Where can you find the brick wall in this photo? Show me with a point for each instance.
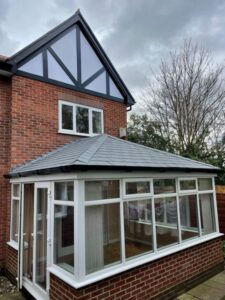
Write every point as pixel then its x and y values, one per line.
pixel 220 196
pixel 35 117
pixel 161 279
pixel 11 264
pixel 5 108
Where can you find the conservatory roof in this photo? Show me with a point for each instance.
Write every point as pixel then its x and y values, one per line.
pixel 105 152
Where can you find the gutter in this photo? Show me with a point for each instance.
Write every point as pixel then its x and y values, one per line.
pixel 86 168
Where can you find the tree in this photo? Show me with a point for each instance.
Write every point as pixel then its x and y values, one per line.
pixel 143 131
pixel 187 98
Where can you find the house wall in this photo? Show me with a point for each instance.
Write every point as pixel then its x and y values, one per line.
pixel 164 278
pixel 5 109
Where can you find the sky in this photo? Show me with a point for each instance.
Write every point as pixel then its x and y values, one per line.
pixel 136 34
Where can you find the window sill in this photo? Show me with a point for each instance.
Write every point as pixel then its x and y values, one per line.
pixel 78 134
pixel 114 270
pixel 13 244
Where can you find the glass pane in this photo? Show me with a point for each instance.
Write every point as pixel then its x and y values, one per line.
pixel 205 184
pixel 186 185
pixel 67 117
pixel 64 237
pixel 34 66
pixel 164 186
pixel 64 191
pixel 188 217
pixel 102 227
pixel 207 213
pixel 166 221
pixel 99 84
pixel 98 190
pixel 90 63
pixel 15 220
pixel 66 49
pixel 138 187
pixel 28 231
pixel 114 90
pixel 97 121
pixel 138 227
pixel 56 72
pixel 16 190
pixel 41 236
pixel 82 120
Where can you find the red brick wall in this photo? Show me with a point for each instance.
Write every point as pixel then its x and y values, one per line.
pixel 11 263
pixel 35 117
pixel 5 108
pixel 165 276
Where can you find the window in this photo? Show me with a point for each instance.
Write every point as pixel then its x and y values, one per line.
pixel 64 225
pixel 187 184
pixel 15 212
pixel 205 184
pixel 102 224
pixel 137 187
pixel 207 215
pixel 79 120
pixel 164 186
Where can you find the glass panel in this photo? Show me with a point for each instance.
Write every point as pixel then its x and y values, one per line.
pixel 99 190
pixel 97 121
pixel 166 221
pixel 56 72
pixel 138 227
pixel 64 191
pixel 114 90
pixel 28 231
pixel 205 184
pixel 15 220
pixel 82 120
pixel 41 236
pixel 188 217
pixel 138 187
pixel 67 117
pixel 186 185
pixel 164 186
pixel 90 63
pixel 66 49
pixel 64 237
pixel 34 66
pixel 102 227
pixel 99 84
pixel 16 190
pixel 207 213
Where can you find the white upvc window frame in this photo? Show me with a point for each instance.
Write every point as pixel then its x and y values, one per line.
pixel 79 279
pixel 90 119
pixel 13 243
pixel 180 191
pixel 137 195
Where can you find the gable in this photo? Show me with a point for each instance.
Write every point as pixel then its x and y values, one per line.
pixel 73 58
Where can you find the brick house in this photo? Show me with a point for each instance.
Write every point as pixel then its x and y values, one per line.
pixel 86 214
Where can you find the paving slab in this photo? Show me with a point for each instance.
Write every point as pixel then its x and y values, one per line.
pixel 186 297
pixel 205 292
pixel 215 284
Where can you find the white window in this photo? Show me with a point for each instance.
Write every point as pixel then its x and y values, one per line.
pixel 15 213
pixel 64 225
pixel 79 119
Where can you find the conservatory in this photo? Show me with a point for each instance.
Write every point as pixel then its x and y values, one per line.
pixel 100 206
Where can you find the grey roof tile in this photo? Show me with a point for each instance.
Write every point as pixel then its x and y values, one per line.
pixel 108 151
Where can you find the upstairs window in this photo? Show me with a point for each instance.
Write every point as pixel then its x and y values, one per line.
pixel 79 119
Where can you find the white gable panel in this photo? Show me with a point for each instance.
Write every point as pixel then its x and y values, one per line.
pixel 66 49
pixel 90 63
pixel 99 84
pixel 114 90
pixel 34 66
pixel 56 72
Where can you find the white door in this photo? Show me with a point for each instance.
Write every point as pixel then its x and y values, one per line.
pixel 36 239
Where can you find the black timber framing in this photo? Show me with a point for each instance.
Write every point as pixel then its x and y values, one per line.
pixel 44 43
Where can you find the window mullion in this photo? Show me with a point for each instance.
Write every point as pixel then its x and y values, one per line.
pixel 199 213
pixel 74 119
pixel 90 121
pixel 178 214
pixel 122 232
pixel 153 221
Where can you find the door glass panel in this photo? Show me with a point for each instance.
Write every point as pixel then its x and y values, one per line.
pixel 28 231
pixel 41 236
